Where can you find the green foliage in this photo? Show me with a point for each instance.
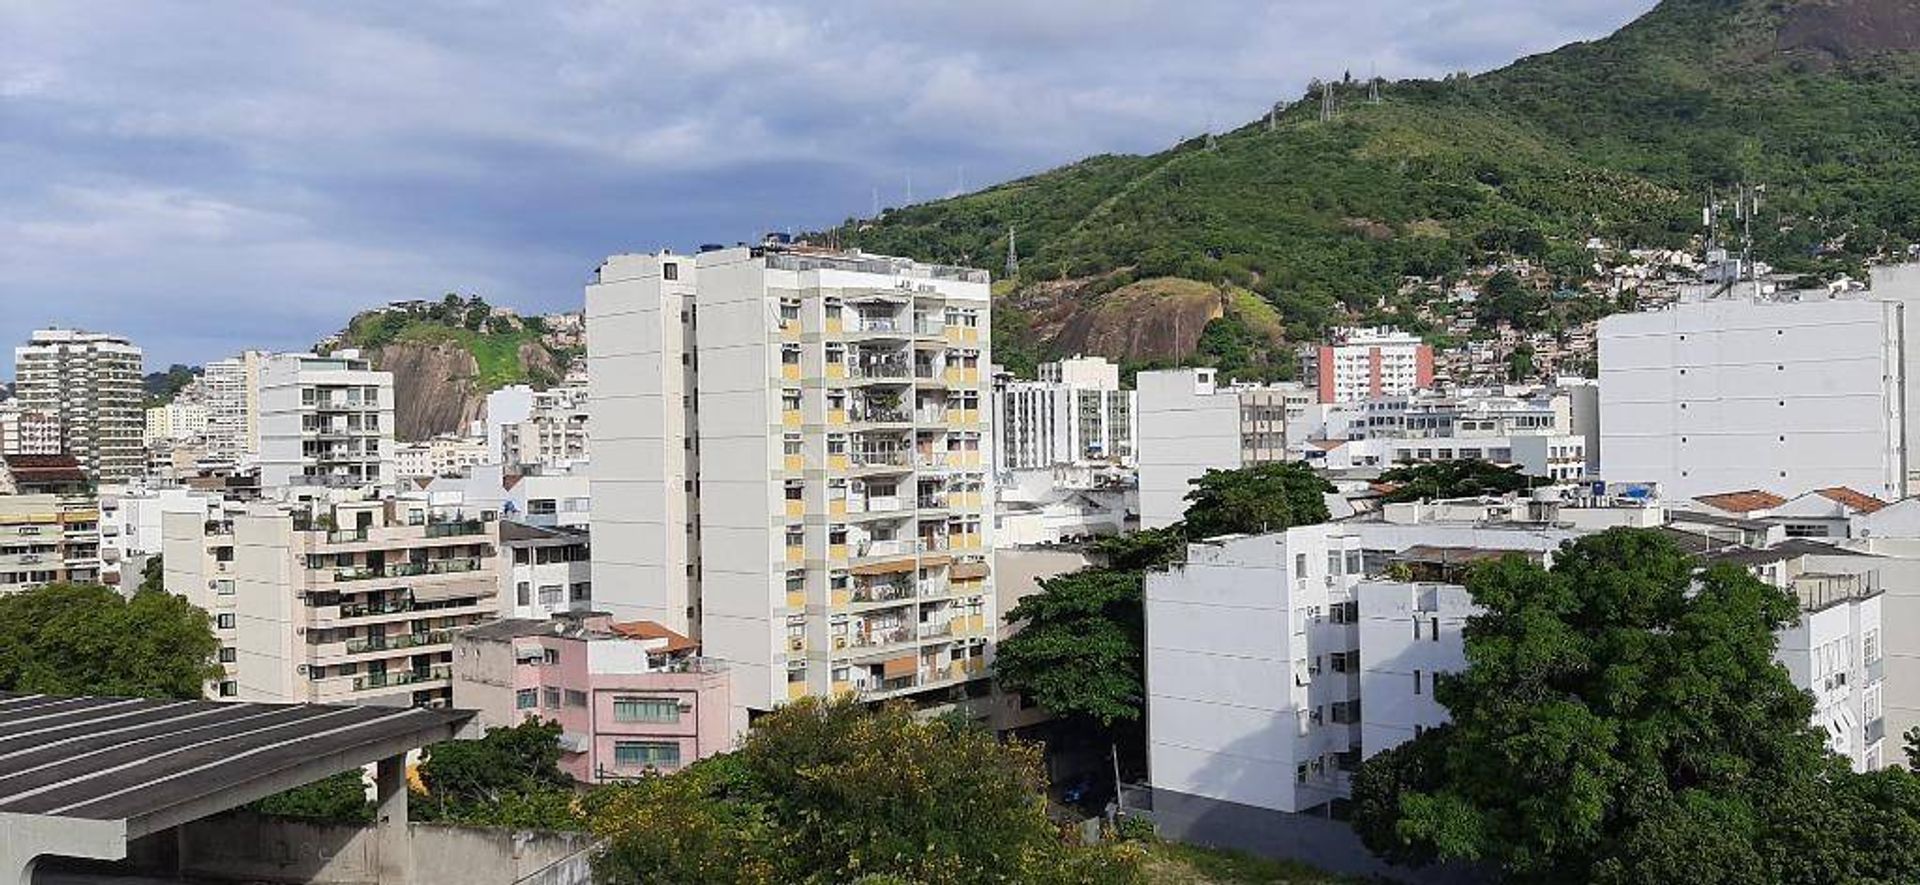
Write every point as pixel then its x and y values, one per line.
pixel 1615 138
pixel 153 575
pixel 823 792
pixel 1622 720
pixel 496 343
pixel 1469 478
pixel 339 799
pixel 510 777
pixel 77 639
pixel 1080 648
pixel 162 387
pixel 1252 500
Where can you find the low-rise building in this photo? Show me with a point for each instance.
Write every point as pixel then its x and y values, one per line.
pixel 550 571
pixel 629 697
pixel 25 431
pixel 49 523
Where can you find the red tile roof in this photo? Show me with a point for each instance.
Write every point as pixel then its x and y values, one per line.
pixel 1851 499
pixel 654 630
pixel 1742 502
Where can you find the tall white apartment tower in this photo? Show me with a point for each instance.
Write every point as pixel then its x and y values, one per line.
pixel 1075 415
pixel 233 406
pixel 92 384
pixel 325 421
pixel 790 459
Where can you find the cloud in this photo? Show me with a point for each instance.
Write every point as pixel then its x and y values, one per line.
pixel 206 176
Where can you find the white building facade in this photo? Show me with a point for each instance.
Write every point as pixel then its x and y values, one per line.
pixel 1191 422
pixel 325 421
pixel 1075 416
pixel 791 460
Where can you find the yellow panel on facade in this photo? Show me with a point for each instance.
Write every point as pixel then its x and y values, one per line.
pixel 796 690
pixel 796 555
pixel 837 552
pixel 796 599
pixel 790 371
pixel 796 509
pixel 796 463
pixel 790 418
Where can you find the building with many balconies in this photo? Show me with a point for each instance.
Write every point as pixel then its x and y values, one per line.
pixel 49 523
pixel 92 384
pixel 790 461
pixel 325 421
pixel 341 600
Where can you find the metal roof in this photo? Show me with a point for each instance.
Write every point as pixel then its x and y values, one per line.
pixel 153 764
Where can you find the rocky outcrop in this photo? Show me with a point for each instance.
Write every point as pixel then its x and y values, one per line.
pixel 435 388
pixel 1844 30
pixel 1151 320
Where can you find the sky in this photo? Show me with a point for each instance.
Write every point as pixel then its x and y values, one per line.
pixel 206 176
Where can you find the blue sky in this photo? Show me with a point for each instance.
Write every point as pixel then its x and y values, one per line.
pixel 206 176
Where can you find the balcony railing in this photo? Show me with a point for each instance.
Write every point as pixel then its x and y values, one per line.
pixel 368 609
pixel 401 677
pixel 887 592
pixel 933 502
pixel 928 631
pixel 872 415
pixel 877 638
pixel 882 369
pixel 404 640
pixel 455 528
pixel 410 569
pixel 881 458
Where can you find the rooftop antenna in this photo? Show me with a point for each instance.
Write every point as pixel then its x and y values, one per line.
pixel 1326 102
pixel 1013 255
pixel 1273 117
pixel 1373 84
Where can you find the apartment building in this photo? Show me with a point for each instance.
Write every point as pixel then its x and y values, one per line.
pixel 440 456
pixel 547 571
pixel 339 599
pixel 1356 364
pixel 325 421
pixel 92 384
pixel 1191 422
pixel 532 430
pixel 197 564
pixel 629 697
pixel 1276 663
pixel 1076 416
pixel 1535 432
pixel 24 432
pixel 1788 392
pixel 232 389
pixel 49 523
pixel 791 460
pixel 174 421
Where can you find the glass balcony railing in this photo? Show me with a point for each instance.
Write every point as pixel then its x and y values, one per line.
pixel 404 640
pixel 401 677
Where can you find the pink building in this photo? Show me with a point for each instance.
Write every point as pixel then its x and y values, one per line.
pixel 628 697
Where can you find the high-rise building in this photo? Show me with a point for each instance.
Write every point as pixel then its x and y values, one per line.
pixel 174 421
pixel 325 421
pixel 1076 415
pixel 1191 423
pixel 538 430
pixel 233 406
pixel 49 523
pixel 92 384
pixel 789 459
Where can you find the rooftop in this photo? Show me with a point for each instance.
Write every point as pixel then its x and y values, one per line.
pixel 1852 499
pixel 153 764
pixel 1742 502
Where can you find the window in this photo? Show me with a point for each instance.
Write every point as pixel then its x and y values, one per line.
pixel 643 754
pixel 576 698
pixel 225 621
pixel 526 698
pixel 1416 682
pixel 1433 625
pixel 582 591
pixel 670 271
pixel 229 689
pixel 228 654
pixel 524 593
pixel 553 698
pixel 663 710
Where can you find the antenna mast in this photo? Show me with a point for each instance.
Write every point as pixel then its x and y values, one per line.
pixel 1013 255
pixel 1326 102
pixel 1373 85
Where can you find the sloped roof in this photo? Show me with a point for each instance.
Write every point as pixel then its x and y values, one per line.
pixel 31 470
pixel 1742 502
pixel 655 630
pixel 1852 499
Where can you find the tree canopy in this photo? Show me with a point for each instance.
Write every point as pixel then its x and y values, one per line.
pixel 1466 478
pixel 77 639
pixel 1621 719
pixel 830 791
pixel 509 777
pixel 1252 500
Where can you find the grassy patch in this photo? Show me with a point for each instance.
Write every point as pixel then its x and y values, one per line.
pixel 1170 863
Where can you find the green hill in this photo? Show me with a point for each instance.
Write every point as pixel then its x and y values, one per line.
pixel 1619 138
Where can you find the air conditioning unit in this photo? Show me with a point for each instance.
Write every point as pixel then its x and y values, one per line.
pixel 301 669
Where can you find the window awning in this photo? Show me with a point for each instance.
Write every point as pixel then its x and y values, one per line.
pixel 967 570
pixel 885 568
pixel 904 665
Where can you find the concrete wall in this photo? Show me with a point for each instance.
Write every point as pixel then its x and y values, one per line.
pixel 1324 843
pixel 249 847
pixel 1186 429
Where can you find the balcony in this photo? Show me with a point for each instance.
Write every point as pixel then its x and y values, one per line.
pixel 932 631
pixel 882 370
pixel 882 637
pixel 455 566
pixel 891 591
pixel 404 640
pixel 454 528
pixel 402 677
pixel 1876 729
pixel 933 502
pixel 378 607
pixel 880 415
pixel 883 458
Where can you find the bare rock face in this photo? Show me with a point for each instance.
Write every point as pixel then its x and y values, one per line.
pixel 435 388
pixel 1845 30
pixel 1151 320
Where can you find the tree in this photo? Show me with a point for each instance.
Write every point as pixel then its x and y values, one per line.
pixel 75 639
pixel 1252 500
pixel 1621 719
pixel 153 575
pixel 1470 478
pixel 338 799
pixel 1080 650
pixel 830 791
pixel 509 777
